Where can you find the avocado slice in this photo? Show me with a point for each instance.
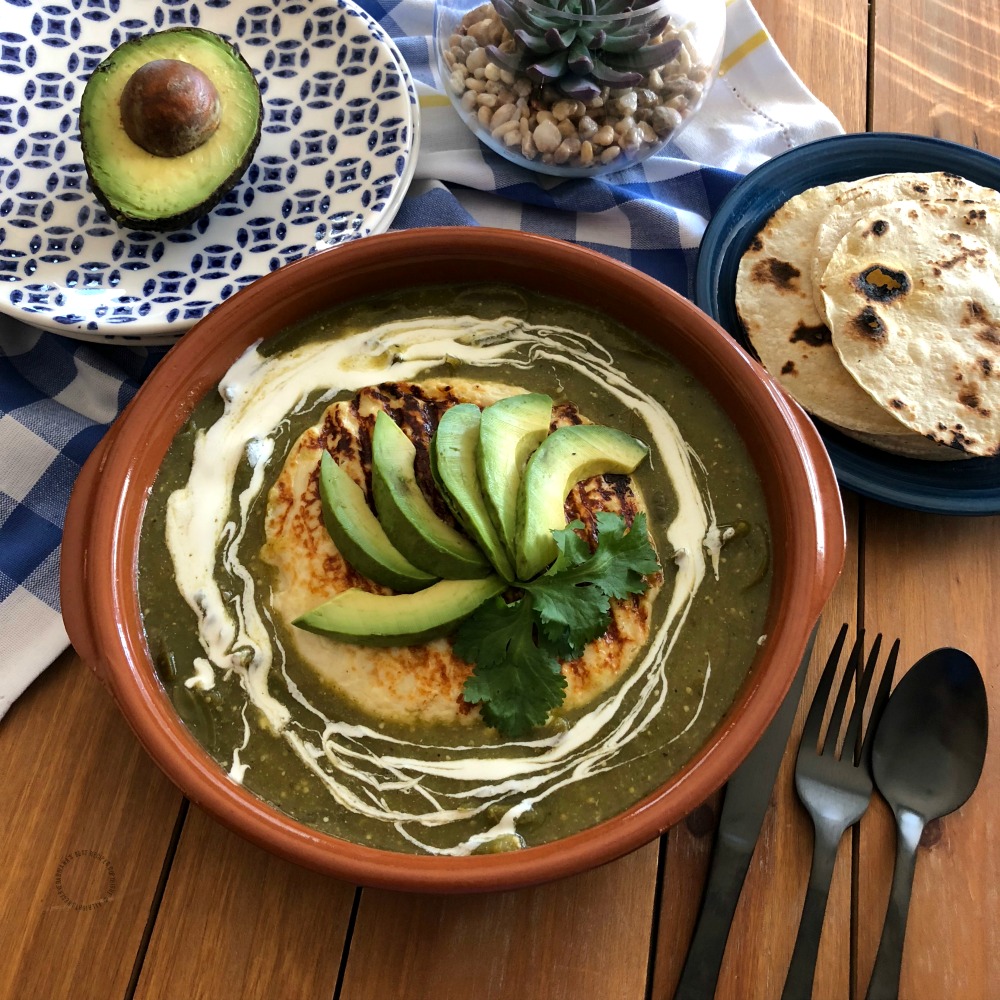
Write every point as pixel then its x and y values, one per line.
pixel 366 619
pixel 511 429
pixel 168 91
pixel 566 456
pixel 453 463
pixel 359 537
pixel 408 519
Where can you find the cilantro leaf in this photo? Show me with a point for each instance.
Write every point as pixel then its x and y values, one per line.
pixel 570 613
pixel 620 563
pixel 573 547
pixel 572 599
pixel 515 681
pixel 516 648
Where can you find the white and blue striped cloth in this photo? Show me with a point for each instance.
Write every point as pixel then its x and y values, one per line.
pixel 58 396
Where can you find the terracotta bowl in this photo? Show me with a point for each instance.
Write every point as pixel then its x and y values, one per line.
pixel 102 531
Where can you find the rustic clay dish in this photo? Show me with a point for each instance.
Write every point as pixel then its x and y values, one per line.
pixel 102 530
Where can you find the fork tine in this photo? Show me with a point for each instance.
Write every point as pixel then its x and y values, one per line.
pixel 837 715
pixel 852 736
pixel 810 731
pixel 834 790
pixel 878 705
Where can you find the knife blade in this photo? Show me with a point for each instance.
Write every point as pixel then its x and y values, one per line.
pixel 744 804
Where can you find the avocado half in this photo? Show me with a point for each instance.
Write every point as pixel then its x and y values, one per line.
pixel 141 190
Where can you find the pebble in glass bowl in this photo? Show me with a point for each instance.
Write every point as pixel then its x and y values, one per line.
pixel 578 88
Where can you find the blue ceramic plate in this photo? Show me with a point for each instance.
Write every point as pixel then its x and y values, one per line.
pixel 337 150
pixel 971 486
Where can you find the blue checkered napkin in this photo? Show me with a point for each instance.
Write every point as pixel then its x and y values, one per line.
pixel 58 396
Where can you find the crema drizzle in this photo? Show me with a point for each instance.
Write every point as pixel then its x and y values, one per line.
pixel 363 769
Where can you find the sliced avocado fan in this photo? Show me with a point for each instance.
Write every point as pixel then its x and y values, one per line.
pixel 407 546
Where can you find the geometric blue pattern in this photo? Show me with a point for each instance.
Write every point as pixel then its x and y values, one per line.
pixel 335 157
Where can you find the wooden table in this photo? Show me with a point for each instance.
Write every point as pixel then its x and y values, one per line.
pixel 113 886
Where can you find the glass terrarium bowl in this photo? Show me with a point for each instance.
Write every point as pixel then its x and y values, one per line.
pixel 577 88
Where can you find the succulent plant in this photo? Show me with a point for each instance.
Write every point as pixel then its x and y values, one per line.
pixel 579 46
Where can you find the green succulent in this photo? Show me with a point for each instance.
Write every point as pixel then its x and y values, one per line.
pixel 579 46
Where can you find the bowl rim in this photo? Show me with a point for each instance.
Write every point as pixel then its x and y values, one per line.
pixel 99 559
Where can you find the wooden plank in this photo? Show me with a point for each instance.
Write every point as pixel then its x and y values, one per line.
pixel 826 44
pixel 953 935
pixel 583 937
pixel 936 67
pixel 85 820
pixel 237 922
pixel 935 72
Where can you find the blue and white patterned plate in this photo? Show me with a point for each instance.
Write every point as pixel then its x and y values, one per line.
pixel 337 151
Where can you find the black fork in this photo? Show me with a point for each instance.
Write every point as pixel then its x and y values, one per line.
pixel 835 787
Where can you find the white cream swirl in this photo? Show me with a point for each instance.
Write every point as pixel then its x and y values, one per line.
pixel 363 769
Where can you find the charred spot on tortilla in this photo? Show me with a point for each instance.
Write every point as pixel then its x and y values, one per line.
pixel 879 227
pixel 564 414
pixel 788 368
pixel 969 396
pixel 756 244
pixel 956 438
pixel 817 336
pixel 779 273
pixel 882 284
pixel 976 215
pixel 985 366
pixel 869 324
pixel 974 255
pixel 898 404
pixel 988 329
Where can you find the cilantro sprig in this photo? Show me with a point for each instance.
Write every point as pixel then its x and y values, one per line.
pixel 516 648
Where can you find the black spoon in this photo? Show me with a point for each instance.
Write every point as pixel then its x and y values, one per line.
pixel 927 757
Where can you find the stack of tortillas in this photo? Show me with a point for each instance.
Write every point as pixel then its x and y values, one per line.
pixel 876 304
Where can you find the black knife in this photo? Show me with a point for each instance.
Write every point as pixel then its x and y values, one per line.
pixel 744 804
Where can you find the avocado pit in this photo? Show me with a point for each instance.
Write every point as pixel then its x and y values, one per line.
pixel 170 107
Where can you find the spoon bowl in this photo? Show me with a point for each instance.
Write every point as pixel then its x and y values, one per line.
pixel 926 760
